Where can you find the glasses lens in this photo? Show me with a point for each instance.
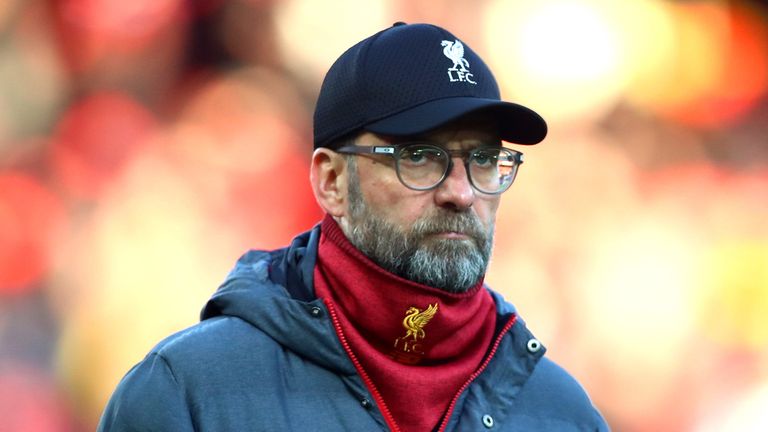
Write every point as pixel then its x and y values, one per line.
pixel 421 166
pixel 493 170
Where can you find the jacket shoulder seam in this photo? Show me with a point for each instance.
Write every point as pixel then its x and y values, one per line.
pixel 167 364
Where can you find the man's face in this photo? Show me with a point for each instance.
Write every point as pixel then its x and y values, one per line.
pixel 440 237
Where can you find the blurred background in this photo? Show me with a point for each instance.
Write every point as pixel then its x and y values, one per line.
pixel 146 144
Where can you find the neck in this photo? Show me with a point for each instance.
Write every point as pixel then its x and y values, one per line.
pixel 405 334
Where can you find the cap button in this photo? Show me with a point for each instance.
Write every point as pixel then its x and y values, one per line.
pixel 398 24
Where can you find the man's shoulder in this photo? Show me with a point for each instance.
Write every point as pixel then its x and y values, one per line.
pixel 215 336
pixel 550 398
pixel 552 392
pixel 550 375
pixel 194 357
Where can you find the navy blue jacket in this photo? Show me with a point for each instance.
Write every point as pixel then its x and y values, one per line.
pixel 265 357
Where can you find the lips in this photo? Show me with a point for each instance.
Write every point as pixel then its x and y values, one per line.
pixel 453 235
pixel 446 226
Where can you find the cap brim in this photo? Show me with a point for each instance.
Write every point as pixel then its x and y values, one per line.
pixel 517 124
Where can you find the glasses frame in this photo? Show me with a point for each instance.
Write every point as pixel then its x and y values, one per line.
pixel 395 151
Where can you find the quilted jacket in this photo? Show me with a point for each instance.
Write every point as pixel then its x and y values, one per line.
pixel 265 357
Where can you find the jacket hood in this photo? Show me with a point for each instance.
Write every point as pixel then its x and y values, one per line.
pixel 255 291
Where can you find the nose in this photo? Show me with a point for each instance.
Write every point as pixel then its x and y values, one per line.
pixel 455 192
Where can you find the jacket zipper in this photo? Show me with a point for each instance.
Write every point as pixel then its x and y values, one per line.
pixel 480 370
pixel 363 374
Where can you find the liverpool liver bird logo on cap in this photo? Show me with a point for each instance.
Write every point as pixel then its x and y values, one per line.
pixel 455 51
pixel 459 72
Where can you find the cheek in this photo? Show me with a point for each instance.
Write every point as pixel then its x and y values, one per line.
pixel 394 202
pixel 486 208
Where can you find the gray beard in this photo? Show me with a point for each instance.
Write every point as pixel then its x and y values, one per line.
pixel 447 264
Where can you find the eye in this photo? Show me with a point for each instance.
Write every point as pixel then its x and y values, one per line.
pixel 416 157
pixel 420 156
pixel 485 158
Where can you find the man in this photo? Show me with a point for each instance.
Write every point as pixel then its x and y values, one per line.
pixel 377 318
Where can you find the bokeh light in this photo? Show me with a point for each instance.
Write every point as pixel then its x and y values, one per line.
pixel 31 401
pixel 7 9
pixel 716 70
pixel 234 133
pixel 298 30
pixel 563 57
pixel 28 56
pixel 94 30
pixel 95 139
pixel 736 312
pixel 746 414
pixel 31 217
pixel 742 77
pixel 150 252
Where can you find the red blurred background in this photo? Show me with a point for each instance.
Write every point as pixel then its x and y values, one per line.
pixel 145 145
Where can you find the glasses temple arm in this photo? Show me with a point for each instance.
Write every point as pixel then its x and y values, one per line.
pixel 389 150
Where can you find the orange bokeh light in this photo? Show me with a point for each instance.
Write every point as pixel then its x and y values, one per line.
pixel 742 78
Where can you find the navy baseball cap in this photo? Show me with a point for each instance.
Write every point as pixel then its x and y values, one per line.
pixel 412 78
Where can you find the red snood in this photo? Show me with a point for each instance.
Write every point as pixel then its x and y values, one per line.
pixel 416 345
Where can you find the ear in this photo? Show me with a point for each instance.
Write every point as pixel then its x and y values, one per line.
pixel 328 175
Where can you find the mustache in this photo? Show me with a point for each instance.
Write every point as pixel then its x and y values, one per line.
pixel 447 221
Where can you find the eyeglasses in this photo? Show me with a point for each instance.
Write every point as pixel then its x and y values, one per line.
pixel 424 166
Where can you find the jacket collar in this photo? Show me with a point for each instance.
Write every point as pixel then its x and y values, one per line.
pixel 255 291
